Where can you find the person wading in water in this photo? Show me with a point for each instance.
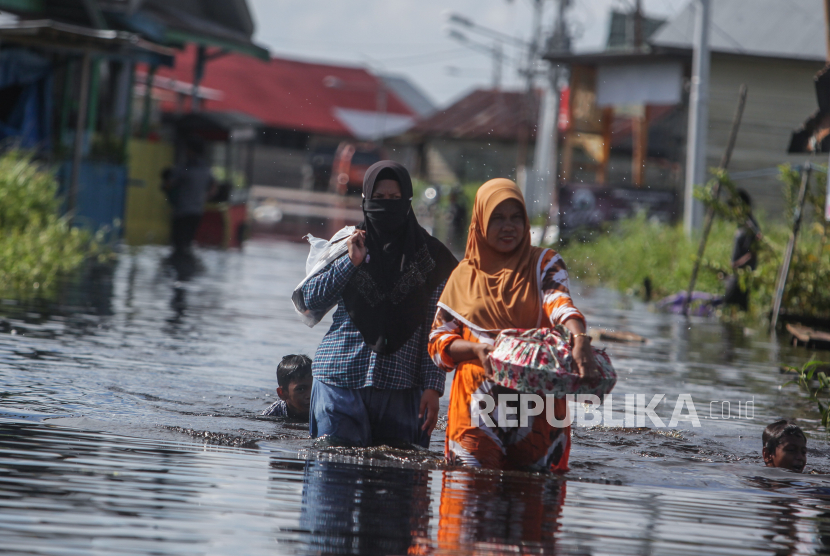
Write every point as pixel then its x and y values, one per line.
pixel 374 382
pixel 503 282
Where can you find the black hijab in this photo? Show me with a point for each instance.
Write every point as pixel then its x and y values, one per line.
pixel 388 295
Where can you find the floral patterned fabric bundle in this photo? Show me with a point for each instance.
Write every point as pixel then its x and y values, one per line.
pixel 539 361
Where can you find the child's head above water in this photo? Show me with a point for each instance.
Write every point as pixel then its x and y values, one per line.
pixel 785 446
pixel 294 380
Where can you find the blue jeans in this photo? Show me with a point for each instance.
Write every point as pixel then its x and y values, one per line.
pixel 366 416
pixel 361 509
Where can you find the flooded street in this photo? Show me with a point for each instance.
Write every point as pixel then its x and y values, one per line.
pixel 129 425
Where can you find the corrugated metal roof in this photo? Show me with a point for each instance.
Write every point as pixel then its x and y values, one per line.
pixel 229 20
pixel 483 114
pixel 228 16
pixel 65 37
pixel 367 125
pixel 290 94
pixel 791 29
pixel 412 95
pixel 224 23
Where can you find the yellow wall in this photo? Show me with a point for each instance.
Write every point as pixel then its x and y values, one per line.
pixel 147 218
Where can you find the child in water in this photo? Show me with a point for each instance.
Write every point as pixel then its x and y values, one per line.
pixel 784 446
pixel 294 388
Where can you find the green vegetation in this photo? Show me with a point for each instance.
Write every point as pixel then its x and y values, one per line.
pixel 623 255
pixel 813 380
pixel 236 177
pixel 37 245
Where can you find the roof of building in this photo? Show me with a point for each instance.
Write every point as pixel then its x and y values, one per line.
pixel 411 94
pixel 483 114
pixel 790 29
pixel 65 37
pixel 621 29
pixel 220 23
pixel 302 96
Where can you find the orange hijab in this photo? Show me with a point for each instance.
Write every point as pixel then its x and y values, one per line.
pixel 489 290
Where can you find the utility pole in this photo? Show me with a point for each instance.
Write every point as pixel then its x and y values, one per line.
pixel 638 24
pixel 543 197
pixel 80 135
pixel 530 98
pixel 498 60
pixel 698 118
pixel 495 52
pixel 380 123
pixel 827 39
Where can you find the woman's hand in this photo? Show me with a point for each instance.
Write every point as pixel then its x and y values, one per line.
pixel 584 360
pixel 357 247
pixel 464 350
pixel 429 409
pixel 482 351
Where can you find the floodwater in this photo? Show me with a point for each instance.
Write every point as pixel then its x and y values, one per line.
pixel 129 425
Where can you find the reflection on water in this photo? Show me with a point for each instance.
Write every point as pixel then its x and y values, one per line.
pixel 172 367
pixel 495 512
pixel 363 510
pixel 64 491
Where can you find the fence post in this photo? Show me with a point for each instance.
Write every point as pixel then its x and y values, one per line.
pixel 781 282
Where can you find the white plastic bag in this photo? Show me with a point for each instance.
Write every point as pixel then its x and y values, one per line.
pixel 322 254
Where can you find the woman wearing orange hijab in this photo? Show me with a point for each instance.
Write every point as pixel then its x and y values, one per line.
pixel 503 282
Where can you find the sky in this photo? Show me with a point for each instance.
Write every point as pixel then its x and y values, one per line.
pixel 410 37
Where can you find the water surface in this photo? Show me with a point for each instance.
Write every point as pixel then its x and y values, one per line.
pixel 129 425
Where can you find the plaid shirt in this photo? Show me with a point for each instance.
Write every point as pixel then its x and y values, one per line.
pixel 277 409
pixel 343 358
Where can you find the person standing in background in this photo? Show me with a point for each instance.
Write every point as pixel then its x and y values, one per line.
pixel 744 254
pixel 457 219
pixel 188 186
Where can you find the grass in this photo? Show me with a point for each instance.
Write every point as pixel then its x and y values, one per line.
pixel 624 254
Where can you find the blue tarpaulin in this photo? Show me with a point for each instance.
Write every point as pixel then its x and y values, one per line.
pixel 101 194
pixel 26 94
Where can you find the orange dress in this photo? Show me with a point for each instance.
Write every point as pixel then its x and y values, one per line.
pixel 497 514
pixel 537 446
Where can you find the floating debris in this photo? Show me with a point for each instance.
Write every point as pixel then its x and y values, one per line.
pixel 808 337
pixel 377 456
pixel 245 439
pixel 600 334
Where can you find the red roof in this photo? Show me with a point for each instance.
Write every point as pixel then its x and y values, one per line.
pixel 287 94
pixel 483 114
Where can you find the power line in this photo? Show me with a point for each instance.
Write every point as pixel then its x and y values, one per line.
pixel 802 10
pixel 727 36
pixel 455 52
pixel 290 41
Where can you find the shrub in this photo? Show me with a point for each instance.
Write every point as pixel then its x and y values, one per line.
pixel 636 248
pixel 37 245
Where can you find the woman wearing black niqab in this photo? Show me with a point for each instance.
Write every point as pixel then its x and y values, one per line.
pixel 374 381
